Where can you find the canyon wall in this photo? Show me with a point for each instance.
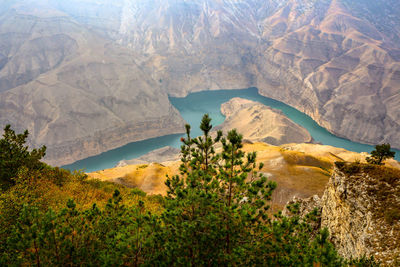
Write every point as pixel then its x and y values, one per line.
pixel 72 71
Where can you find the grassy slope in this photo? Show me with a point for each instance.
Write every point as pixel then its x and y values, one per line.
pixel 299 169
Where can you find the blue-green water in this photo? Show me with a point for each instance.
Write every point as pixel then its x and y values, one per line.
pixel 192 109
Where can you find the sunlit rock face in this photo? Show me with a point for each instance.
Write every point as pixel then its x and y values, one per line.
pixel 360 207
pixel 97 73
pixel 259 123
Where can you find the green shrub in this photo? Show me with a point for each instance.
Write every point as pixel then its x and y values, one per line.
pixel 348 168
pixel 14 155
pixel 215 214
pixel 137 192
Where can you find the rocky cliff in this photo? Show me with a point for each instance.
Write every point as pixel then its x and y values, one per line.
pixel 73 72
pixel 361 209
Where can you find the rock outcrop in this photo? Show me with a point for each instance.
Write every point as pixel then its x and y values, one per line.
pixel 259 123
pixel 361 209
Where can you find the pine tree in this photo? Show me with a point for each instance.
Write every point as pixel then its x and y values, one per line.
pixel 14 155
pixel 216 213
pixel 216 200
pixel 380 153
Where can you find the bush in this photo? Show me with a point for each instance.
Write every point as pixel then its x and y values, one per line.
pixel 14 155
pixel 138 192
pixel 215 213
pixel 380 153
pixel 348 168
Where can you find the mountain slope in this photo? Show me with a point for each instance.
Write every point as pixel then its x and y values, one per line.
pixel 81 98
pixel 336 60
pixel 300 170
pixel 259 123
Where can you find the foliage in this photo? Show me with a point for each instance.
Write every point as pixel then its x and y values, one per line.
pixel 380 153
pixel 211 202
pixel 364 262
pixel 215 213
pixel 113 236
pixel 138 192
pixel 14 155
pixel 222 199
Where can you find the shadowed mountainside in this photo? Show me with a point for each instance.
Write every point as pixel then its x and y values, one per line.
pixel 83 96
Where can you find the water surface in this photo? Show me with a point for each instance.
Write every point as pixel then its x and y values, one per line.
pixel 192 109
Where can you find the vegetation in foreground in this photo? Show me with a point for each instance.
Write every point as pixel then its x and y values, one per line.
pixel 380 153
pixel 215 213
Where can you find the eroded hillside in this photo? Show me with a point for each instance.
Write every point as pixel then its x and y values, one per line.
pixel 96 74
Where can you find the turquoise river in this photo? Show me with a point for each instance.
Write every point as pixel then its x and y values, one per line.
pixel 192 108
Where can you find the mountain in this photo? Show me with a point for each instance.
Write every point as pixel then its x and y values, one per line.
pixel 76 92
pixel 96 74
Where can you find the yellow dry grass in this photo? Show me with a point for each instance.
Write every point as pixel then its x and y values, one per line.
pixel 149 178
pixel 299 169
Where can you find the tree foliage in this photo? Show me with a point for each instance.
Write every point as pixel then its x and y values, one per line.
pixel 14 155
pixel 216 213
pixel 216 200
pixel 381 153
pixel 113 236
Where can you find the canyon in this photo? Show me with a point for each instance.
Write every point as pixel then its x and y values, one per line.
pixel 88 76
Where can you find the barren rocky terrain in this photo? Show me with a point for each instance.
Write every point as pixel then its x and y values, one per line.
pixel 259 123
pixel 88 76
pixel 360 207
